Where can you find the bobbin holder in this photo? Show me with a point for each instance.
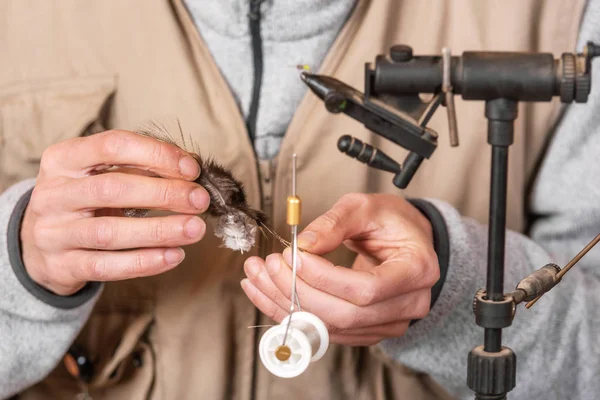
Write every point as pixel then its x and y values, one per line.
pixel 391 106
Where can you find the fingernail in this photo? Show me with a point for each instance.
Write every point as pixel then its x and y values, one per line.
pixel 194 228
pixel 189 167
pixel 273 264
pixel 174 256
pixel 307 239
pixel 199 199
pixel 246 286
pixel 287 257
pixel 251 269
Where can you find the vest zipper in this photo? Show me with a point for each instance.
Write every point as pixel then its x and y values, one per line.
pixel 257 55
pixel 265 177
pixel 266 171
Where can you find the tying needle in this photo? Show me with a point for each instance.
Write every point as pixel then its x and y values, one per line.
pixel 293 220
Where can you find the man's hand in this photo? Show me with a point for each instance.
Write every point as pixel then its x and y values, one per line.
pixel 74 211
pixel 388 286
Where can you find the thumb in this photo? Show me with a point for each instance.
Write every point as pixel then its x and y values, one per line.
pixel 347 219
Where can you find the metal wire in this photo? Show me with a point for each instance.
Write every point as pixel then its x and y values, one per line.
pixel 570 265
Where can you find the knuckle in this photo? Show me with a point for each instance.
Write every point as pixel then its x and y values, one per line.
pixel 54 155
pixel 106 188
pixel 356 200
pixel 158 231
pixel 166 193
pixel 427 271
pixel 138 264
pixel 96 270
pixel 111 142
pixel 49 159
pixel 44 237
pixel 334 218
pixel 350 319
pixel 432 274
pixel 368 294
pixel 157 152
pixel 319 281
pixel 39 199
pixel 331 220
pixel 421 271
pixel 102 234
pixel 422 307
pixel 432 267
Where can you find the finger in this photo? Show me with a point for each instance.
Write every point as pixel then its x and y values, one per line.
pixel 276 303
pixel 346 219
pixel 103 266
pixel 118 190
pixel 77 157
pixel 364 264
pixel 115 233
pixel 340 313
pixel 405 273
pixel 262 302
pixel 255 270
pixel 360 216
pixel 355 340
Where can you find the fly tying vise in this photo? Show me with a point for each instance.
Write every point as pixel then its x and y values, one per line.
pixel 287 349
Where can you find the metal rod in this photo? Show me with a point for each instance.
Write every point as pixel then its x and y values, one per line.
pixel 449 95
pixel 294 238
pixel 532 302
pixel 294 265
pixel 497 223
pixel 497 231
pixel 294 158
pixel 501 114
pixel 567 267
pixel 294 245
pixel 578 257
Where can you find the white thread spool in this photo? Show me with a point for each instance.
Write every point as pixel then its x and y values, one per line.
pixel 307 339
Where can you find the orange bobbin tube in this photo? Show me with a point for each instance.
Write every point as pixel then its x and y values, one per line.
pixel 293 210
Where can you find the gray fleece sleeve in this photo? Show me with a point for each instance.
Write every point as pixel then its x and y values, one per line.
pixel 556 341
pixel 34 335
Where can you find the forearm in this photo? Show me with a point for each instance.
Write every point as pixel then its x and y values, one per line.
pixel 548 339
pixel 34 334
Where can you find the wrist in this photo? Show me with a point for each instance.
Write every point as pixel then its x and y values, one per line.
pixel 36 287
pixel 440 240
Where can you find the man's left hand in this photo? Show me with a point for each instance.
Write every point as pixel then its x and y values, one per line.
pixel 388 285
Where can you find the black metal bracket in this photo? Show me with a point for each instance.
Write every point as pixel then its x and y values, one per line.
pixel 493 314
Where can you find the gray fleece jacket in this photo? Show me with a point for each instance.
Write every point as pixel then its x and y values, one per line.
pixel 556 342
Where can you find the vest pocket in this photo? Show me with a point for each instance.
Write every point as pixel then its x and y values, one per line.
pixel 118 346
pixel 131 365
pixel 37 114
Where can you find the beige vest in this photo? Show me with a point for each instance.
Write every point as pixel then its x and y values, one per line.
pixel 71 66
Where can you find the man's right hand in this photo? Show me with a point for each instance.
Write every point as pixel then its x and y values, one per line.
pixel 74 211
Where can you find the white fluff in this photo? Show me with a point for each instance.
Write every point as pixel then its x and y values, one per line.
pixel 237 231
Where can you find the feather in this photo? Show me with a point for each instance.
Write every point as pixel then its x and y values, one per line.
pixel 236 221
